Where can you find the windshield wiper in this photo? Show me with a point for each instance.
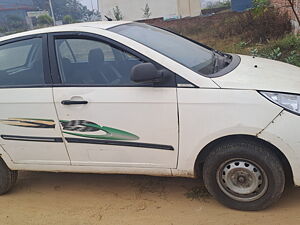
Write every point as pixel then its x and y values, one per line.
pixel 220 60
pixel 215 62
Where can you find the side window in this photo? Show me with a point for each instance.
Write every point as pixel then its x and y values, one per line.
pixel 90 62
pixel 21 63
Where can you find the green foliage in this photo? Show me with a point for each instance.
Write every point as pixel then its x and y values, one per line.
pixel 293 58
pixel 68 19
pixel 242 44
pixel 289 42
pixel 62 8
pixel 44 21
pixel 15 23
pixel 219 4
pixel 117 13
pixel 274 54
pixel 226 3
pixel 2 30
pixel 260 7
pixel 261 3
pixel 286 49
pixel 146 11
pixel 256 26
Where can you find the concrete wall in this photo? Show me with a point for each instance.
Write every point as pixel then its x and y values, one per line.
pixel 189 8
pixel 132 9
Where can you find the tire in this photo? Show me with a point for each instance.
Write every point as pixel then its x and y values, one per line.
pixel 8 178
pixel 244 175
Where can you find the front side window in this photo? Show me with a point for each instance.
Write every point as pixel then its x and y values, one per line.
pixel 188 53
pixel 92 62
pixel 21 63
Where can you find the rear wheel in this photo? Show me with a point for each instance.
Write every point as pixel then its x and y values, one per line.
pixel 7 178
pixel 244 175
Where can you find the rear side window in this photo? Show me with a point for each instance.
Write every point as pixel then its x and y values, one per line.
pixel 21 63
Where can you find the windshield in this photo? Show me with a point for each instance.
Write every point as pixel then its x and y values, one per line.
pixel 180 49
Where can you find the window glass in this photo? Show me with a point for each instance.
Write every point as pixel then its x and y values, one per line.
pixel 21 63
pixel 186 52
pixel 90 62
pixel 77 50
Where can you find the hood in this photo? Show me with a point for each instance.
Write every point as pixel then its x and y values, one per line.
pixel 262 74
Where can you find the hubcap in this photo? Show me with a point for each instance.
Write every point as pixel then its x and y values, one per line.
pixel 242 180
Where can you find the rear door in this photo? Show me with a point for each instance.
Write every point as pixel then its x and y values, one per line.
pixel 108 120
pixel 29 128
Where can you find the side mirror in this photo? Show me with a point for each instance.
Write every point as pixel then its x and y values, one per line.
pixel 146 73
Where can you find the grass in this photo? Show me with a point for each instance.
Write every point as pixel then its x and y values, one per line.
pixel 286 49
pixel 223 31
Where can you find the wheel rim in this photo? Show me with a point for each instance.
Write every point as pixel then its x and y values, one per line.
pixel 242 180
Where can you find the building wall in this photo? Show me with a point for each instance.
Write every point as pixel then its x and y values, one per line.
pixel 15 3
pixel 133 9
pixel 16 8
pixel 188 8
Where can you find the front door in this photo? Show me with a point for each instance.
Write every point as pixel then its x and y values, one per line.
pixel 29 128
pixel 106 119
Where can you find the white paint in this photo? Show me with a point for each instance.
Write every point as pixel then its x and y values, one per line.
pixel 134 110
pixel 205 114
pixel 31 103
pixel 262 74
pixel 133 9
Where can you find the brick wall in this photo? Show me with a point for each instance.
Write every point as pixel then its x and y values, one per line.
pixel 284 5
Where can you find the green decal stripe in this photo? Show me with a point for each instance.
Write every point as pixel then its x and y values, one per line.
pixel 112 135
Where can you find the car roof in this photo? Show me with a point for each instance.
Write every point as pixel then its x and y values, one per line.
pixel 104 25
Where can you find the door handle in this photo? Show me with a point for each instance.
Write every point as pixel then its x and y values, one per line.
pixel 72 102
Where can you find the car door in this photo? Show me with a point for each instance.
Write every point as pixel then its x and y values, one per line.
pixel 29 128
pixel 106 119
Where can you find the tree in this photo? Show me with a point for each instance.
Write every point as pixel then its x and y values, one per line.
pixel 15 23
pixel 68 19
pixel 117 13
pixel 261 3
pixel 219 4
pixel 44 21
pixel 146 11
pixel 62 8
pixel 293 6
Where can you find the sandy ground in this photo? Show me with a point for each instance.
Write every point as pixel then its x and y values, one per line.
pixel 91 199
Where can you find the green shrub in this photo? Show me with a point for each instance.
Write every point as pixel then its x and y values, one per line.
pixel 68 19
pixel 256 27
pixel 286 49
pixel 15 23
pixel 44 20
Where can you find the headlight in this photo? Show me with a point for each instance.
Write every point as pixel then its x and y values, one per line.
pixel 290 102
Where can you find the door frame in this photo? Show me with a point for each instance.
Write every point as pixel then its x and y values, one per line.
pixel 55 74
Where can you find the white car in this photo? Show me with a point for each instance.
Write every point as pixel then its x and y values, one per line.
pixel 129 98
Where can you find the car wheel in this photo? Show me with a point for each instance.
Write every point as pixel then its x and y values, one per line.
pixel 7 178
pixel 244 175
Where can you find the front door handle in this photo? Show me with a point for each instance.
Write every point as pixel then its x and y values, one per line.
pixel 72 102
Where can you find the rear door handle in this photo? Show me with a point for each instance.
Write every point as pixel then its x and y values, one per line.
pixel 71 102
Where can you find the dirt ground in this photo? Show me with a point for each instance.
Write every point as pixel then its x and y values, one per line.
pixel 91 199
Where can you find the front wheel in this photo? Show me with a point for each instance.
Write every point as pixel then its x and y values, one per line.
pixel 244 175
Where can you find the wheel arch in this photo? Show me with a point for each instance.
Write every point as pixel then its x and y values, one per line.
pixel 198 166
